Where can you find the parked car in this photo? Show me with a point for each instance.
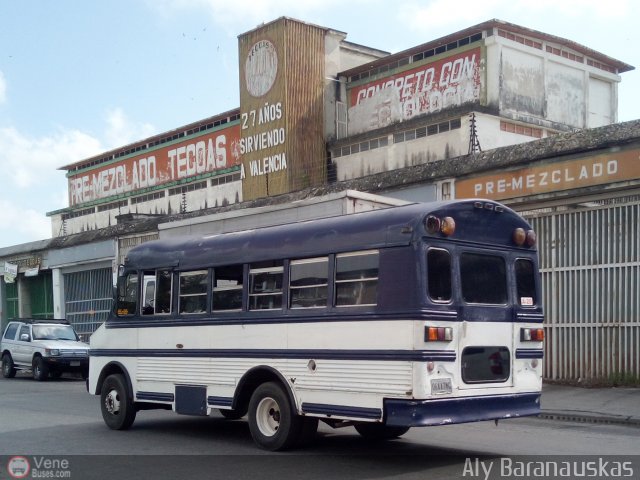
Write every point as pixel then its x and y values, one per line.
pixel 46 347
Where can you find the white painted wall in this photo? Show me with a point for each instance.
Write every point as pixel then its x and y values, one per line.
pixel 538 87
pixel 216 196
pixel 427 149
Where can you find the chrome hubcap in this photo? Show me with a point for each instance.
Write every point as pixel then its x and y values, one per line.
pixel 112 402
pixel 268 416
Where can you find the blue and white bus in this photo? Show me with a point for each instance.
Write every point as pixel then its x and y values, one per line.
pixel 418 315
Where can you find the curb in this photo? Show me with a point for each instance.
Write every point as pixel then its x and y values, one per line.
pixel 581 417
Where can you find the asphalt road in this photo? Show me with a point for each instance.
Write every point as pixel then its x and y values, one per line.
pixel 58 419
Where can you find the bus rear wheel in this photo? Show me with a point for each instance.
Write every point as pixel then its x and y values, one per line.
pixel 379 431
pixel 116 404
pixel 272 421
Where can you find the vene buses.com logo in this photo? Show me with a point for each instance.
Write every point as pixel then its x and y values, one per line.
pixel 18 467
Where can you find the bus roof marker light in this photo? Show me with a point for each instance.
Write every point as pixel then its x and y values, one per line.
pixel 531 238
pixel 448 226
pixel 519 236
pixel 432 223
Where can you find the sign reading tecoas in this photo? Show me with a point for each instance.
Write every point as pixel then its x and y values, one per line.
pixel 196 156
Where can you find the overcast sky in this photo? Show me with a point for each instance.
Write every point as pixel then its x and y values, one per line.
pixel 80 77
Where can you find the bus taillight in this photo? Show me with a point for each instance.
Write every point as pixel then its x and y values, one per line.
pixel 438 334
pixel 532 334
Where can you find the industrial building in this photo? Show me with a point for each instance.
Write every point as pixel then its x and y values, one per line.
pixel 329 127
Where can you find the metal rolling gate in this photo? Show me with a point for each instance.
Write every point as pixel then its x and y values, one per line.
pixel 590 266
pixel 88 296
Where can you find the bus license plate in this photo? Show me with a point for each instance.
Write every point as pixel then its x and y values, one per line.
pixel 440 386
pixel 75 364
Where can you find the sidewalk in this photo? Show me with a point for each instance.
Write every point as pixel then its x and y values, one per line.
pixel 594 405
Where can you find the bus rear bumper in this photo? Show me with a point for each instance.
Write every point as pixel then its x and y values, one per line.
pixel 423 413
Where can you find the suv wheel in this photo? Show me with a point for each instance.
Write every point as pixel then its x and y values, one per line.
pixel 8 370
pixel 40 369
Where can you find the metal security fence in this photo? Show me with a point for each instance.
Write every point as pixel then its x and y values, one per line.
pixel 590 265
pixel 88 296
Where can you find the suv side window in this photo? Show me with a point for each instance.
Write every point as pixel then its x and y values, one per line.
pixel 24 330
pixel 10 332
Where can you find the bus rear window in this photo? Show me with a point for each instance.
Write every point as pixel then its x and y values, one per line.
pixel 439 274
pixel 483 279
pixel 526 282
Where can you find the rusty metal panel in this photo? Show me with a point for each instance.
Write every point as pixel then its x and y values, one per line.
pixel 281 105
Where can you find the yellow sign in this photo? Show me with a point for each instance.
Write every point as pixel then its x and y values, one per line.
pixel 584 172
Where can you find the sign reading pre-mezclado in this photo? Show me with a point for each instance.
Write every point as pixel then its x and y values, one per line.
pixel 569 174
pixel 281 122
pixel 198 155
pixel 427 88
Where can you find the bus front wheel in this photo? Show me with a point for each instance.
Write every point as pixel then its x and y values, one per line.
pixel 273 423
pixel 379 431
pixel 116 404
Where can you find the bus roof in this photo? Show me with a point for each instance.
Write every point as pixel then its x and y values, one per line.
pixel 476 220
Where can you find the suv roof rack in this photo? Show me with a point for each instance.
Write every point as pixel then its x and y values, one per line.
pixel 42 320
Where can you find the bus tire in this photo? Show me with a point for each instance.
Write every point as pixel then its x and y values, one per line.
pixel 8 368
pixel 379 431
pixel 230 414
pixel 273 423
pixel 40 369
pixel 116 404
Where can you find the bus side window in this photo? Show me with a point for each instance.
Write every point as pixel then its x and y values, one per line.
pixel 227 288
pixel 193 291
pixel 164 284
pixel 308 282
pixel 357 278
pixel 526 282
pixel 127 295
pixel 156 292
pixel 439 275
pixel 148 292
pixel 265 286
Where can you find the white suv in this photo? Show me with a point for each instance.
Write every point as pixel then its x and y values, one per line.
pixel 46 347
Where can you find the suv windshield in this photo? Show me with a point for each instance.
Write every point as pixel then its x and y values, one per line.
pixel 54 332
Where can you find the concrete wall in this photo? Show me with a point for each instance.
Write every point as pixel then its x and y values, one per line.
pixel 535 86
